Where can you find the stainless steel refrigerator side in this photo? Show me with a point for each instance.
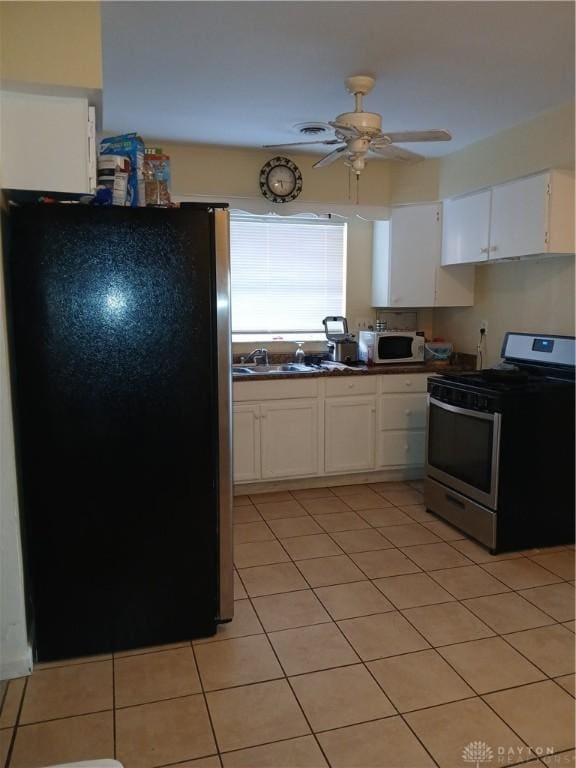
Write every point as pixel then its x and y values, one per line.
pixel 226 572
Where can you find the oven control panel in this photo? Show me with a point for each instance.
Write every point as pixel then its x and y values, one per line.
pixel 463 397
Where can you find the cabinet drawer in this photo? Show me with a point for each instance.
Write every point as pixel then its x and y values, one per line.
pixel 402 411
pixel 401 449
pixel 256 391
pixel 409 382
pixel 351 385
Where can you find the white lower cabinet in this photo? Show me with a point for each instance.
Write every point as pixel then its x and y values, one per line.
pixel 305 428
pixel 289 438
pixel 349 424
pixel 401 421
pixel 275 439
pixel 246 442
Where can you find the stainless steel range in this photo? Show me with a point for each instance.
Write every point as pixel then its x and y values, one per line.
pixel 500 446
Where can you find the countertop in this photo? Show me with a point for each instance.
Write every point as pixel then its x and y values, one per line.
pixel 459 363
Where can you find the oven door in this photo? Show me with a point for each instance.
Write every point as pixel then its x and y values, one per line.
pixel 462 450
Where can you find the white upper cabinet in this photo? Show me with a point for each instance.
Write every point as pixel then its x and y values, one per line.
pixel 466 231
pixel 406 262
pixel 533 216
pixel 47 143
pixel 405 257
pixel 525 217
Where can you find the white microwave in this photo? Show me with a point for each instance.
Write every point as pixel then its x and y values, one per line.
pixel 376 347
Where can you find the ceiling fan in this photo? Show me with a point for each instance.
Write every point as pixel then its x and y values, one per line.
pixel 361 133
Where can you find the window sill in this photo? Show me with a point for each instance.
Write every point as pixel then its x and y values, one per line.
pixel 277 337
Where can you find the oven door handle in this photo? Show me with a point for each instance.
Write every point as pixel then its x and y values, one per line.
pixel 464 411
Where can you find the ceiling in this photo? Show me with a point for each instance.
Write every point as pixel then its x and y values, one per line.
pixel 243 73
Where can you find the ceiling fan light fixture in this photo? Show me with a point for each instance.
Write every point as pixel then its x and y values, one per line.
pixel 358 163
pixel 359 145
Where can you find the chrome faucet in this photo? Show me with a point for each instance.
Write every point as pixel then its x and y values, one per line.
pixel 258 356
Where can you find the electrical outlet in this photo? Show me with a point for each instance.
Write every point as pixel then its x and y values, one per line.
pixel 484 326
pixel 363 323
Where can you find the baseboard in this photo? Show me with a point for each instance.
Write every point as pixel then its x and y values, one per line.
pixel 19 667
pixel 402 474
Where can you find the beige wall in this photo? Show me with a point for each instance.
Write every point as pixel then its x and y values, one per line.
pixel 531 296
pixel 225 171
pixel 416 182
pixel 547 141
pixel 51 43
pixel 528 295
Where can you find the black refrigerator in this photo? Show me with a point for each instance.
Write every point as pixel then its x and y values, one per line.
pixel 118 323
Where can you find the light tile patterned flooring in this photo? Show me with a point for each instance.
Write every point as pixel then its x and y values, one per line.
pixel 368 634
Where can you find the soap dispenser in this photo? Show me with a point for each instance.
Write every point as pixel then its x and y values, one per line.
pixel 299 355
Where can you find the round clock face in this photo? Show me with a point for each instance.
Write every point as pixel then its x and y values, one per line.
pixel 280 180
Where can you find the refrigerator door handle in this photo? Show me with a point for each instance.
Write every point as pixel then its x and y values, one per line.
pixel 226 573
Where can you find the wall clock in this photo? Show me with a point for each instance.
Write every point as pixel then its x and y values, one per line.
pixel 280 180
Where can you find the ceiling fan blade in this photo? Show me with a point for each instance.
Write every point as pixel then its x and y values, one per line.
pixel 330 158
pixel 395 153
pixel 299 143
pixel 400 137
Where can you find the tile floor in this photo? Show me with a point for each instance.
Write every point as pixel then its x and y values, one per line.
pixel 367 634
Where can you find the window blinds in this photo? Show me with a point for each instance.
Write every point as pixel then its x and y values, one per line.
pixel 287 273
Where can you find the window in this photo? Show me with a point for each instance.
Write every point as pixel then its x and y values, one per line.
pixel 287 273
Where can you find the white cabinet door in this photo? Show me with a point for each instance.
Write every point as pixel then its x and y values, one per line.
pixel 289 438
pixel 381 264
pixel 401 449
pixel 246 442
pixel 349 433
pixel 406 260
pixel 519 220
pixel 44 142
pixel 415 238
pixel 466 229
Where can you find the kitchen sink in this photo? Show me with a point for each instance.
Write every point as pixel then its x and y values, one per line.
pixel 250 368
